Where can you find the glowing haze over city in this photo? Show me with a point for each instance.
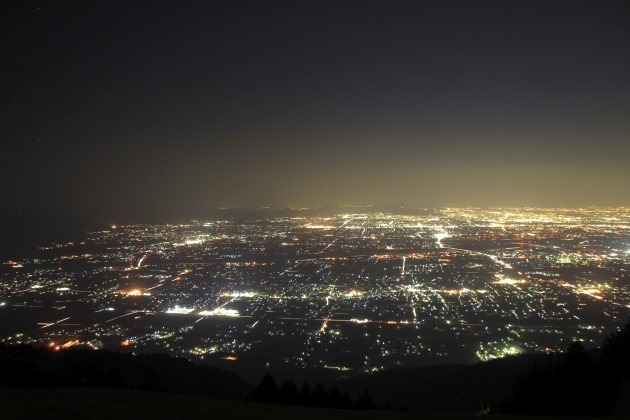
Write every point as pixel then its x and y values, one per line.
pixel 167 110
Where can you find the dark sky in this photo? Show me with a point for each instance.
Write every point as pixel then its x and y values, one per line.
pixel 170 108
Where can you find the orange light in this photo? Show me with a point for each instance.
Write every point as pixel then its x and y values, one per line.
pixel 134 292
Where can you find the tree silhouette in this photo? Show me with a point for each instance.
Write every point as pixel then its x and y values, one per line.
pixel 267 390
pixel 336 398
pixel 289 393
pixel 306 398
pixel 576 378
pixel 565 386
pixel 320 396
pixel 364 402
pixel 574 384
pixel 615 370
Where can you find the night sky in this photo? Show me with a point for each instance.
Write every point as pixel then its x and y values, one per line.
pixel 120 109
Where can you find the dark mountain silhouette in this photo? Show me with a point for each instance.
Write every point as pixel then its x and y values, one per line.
pixel 27 366
pixel 287 393
pixel 21 234
pixel 574 383
pixel 577 382
pixel 444 387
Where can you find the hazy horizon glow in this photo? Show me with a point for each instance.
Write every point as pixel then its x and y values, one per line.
pixel 173 109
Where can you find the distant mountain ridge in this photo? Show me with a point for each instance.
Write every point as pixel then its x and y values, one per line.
pixel 21 234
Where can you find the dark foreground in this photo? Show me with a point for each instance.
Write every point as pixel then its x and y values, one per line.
pixel 108 403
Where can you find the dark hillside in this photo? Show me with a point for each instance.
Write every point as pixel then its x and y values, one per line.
pixel 39 367
pixel 107 403
pixel 446 387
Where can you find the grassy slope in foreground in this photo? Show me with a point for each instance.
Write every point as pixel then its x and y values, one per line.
pixel 107 403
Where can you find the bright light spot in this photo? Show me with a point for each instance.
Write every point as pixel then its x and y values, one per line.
pixel 220 312
pixel 180 310
pixel 594 293
pixel 134 292
pixel 193 241
pixel 70 344
pixel 509 281
pixel 440 236
pixel 239 294
pixel 309 226
pixel 353 293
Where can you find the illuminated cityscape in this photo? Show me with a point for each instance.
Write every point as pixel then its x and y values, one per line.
pixel 357 292
pixel 360 204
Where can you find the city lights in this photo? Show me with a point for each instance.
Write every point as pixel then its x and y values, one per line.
pixel 350 293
